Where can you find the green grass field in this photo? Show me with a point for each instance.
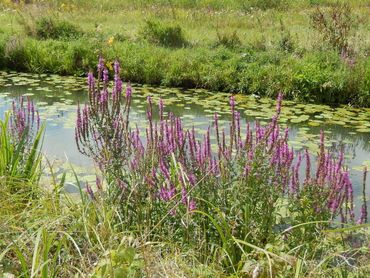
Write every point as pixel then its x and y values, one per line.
pixel 253 47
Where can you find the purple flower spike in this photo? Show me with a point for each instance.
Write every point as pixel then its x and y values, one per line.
pixel 192 206
pixel 278 103
pixel 117 68
pixel 128 91
pixel 100 64
pixel 90 191
pixel 105 76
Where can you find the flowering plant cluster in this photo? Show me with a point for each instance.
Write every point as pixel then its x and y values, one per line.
pixel 245 184
pixel 24 121
pixel 20 141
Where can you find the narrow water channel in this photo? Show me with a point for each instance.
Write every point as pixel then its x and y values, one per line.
pixel 56 98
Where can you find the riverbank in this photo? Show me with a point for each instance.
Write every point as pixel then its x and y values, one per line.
pixel 248 49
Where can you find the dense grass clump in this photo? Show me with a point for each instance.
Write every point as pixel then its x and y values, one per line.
pixel 230 40
pixel 49 28
pixel 163 34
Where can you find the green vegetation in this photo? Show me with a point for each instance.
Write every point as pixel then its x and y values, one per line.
pixel 225 201
pixel 54 236
pixel 169 36
pixel 316 51
pixel 250 224
pixel 48 28
pixel 19 159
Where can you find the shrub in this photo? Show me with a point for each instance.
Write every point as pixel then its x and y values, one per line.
pixel 319 77
pixel 49 28
pixel 3 41
pixel 335 27
pixel 357 83
pixel 286 42
pixel 15 54
pixel 163 34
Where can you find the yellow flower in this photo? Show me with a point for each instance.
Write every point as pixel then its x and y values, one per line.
pixel 109 65
pixel 110 40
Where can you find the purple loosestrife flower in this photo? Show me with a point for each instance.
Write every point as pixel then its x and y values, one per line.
pixel 99 183
pixel 105 77
pixel 192 206
pixel 184 199
pixel 171 192
pixel 363 215
pixel 91 81
pixel 128 91
pixel 278 103
pixel 208 144
pixel 192 179
pixel 164 170
pixel 247 169
pixel 22 120
pixel 90 191
pixel 298 165
pixel 308 167
pixel 322 159
pixel 232 103
pixel 101 64
pixel 161 107
pixel 293 183
pixel 216 128
pixel 349 190
pixel 38 120
pixel 149 114
pixel 232 125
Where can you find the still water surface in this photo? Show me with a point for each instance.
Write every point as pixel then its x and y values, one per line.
pixel 56 98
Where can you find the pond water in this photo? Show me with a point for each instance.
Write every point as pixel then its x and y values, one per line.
pixel 56 98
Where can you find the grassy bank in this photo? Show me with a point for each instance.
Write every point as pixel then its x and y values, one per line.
pixel 54 236
pixel 234 46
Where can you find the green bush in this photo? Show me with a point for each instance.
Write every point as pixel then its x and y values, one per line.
pixel 357 89
pixel 3 40
pixel 335 26
pixel 286 42
pixel 15 55
pixel 184 69
pixel 319 77
pixel 49 28
pixel 163 34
